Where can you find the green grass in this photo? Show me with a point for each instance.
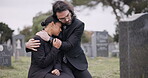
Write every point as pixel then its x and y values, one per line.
pixel 99 68
pixel 104 67
pixel 19 69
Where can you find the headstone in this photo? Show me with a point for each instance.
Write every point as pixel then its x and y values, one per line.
pixel 100 44
pixel 5 56
pixel 19 45
pixel 133 44
pixel 113 49
pixel 87 49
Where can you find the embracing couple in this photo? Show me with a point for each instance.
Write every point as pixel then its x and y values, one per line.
pixel 56 50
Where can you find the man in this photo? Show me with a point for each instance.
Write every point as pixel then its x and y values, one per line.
pixel 73 55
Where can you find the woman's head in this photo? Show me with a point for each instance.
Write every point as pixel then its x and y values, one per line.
pixel 52 26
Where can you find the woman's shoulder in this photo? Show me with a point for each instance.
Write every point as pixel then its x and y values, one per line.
pixel 36 37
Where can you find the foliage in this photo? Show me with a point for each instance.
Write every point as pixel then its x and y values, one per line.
pixel 99 67
pixel 37 21
pixel 116 37
pixel 37 27
pixel 27 32
pixel 110 39
pixel 118 7
pixel 5 32
pixel 86 37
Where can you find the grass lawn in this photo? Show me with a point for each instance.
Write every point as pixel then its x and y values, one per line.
pixel 104 67
pixel 99 68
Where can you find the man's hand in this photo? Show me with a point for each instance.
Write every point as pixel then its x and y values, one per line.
pixel 32 44
pixel 55 72
pixel 57 43
pixel 44 35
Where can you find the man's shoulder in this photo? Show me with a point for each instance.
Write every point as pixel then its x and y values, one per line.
pixel 78 20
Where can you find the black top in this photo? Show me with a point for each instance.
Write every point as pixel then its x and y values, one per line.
pixel 44 60
pixel 71 44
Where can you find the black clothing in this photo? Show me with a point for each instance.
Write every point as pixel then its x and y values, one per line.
pixel 44 61
pixel 73 55
pixel 71 48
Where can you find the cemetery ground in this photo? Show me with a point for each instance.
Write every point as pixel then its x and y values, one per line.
pixel 99 67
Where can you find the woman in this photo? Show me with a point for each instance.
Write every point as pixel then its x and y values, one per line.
pixel 44 62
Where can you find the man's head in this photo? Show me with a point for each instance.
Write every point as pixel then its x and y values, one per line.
pixel 63 12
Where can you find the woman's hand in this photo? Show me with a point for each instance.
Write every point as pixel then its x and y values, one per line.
pixel 55 72
pixel 57 43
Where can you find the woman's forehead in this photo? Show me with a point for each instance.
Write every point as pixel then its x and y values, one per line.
pixel 58 23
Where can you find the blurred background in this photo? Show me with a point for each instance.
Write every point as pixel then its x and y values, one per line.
pixel 20 20
pixel 20 15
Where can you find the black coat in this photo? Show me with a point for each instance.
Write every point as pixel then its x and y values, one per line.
pixel 44 60
pixel 71 44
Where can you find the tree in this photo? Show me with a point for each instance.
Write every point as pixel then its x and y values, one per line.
pixel 40 17
pixel 86 37
pixel 27 32
pixel 118 7
pixel 37 27
pixel 5 33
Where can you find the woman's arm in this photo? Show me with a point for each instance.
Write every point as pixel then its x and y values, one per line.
pixel 40 56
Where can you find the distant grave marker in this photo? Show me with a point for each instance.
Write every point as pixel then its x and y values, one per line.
pixel 5 56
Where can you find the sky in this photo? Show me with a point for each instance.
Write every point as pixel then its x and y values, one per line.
pixel 20 13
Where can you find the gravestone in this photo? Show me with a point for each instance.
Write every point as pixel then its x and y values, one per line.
pixel 18 45
pixel 100 44
pixel 87 49
pixel 133 44
pixel 113 49
pixel 5 56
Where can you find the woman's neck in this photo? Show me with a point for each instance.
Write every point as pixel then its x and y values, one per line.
pixel 49 32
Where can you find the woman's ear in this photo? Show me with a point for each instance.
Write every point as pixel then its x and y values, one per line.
pixel 52 24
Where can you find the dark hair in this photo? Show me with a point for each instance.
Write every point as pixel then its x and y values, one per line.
pixel 60 6
pixel 49 20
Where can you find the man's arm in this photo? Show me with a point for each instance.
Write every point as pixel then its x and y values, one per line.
pixel 44 35
pixel 73 39
pixel 32 44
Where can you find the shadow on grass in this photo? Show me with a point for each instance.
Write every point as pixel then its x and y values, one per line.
pixel 6 67
pixel 11 67
pixel 95 77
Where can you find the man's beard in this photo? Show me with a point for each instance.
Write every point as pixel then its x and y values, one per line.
pixel 68 23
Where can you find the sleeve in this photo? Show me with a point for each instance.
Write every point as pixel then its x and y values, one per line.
pixel 41 58
pixel 28 50
pixel 74 38
pixel 58 62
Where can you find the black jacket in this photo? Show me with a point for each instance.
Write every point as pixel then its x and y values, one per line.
pixel 71 44
pixel 44 60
